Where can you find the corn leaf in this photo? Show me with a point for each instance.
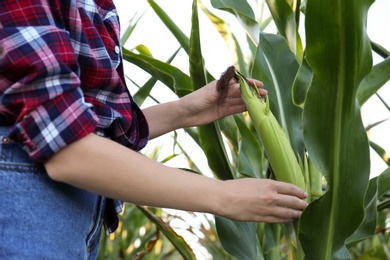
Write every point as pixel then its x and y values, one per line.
pixel 171 25
pixel 378 76
pixel 381 152
pixel 144 91
pixel 284 18
pixel 177 241
pixel 130 28
pixel 244 13
pixel 367 227
pixel 238 238
pixel 384 183
pixel 171 76
pixel 333 129
pixel 378 186
pixel 175 30
pixel 250 153
pixel 210 134
pixel 301 84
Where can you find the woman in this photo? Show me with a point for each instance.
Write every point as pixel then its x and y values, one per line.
pixel 70 134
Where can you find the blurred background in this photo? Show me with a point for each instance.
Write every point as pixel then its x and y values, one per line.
pixel 137 236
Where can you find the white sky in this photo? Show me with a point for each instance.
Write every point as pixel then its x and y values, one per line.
pixel 156 37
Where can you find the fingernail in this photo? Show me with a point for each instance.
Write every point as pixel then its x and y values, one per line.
pixel 305 194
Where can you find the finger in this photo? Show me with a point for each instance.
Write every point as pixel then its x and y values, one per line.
pixel 292 202
pixel 271 219
pixel 290 189
pixel 263 92
pixel 256 82
pixel 234 90
pixel 289 214
pixel 259 84
pixel 282 215
pixel 235 109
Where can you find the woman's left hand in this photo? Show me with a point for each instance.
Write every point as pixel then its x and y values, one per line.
pixel 204 105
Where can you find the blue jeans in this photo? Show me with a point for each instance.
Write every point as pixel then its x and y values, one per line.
pixel 41 218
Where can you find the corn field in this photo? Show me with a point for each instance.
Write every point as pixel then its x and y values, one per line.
pixel 315 59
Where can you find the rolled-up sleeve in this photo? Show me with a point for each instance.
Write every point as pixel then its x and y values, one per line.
pixel 61 76
pixel 40 86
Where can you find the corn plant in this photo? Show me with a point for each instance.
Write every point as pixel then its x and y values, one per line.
pixel 316 90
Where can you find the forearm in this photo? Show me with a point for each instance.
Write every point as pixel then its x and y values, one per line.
pixel 104 167
pixel 164 118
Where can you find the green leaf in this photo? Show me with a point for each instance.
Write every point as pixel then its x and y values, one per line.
pixel 378 76
pixel 144 91
pixel 368 225
pixel 171 25
pixel 250 153
pixel 211 141
pixel 175 30
pixel 380 50
pixel 301 84
pixel 130 28
pixel 230 131
pixel 244 13
pixel 383 101
pixel 197 68
pixel 171 76
pixel 226 33
pixel 238 238
pixel 384 183
pixel 339 53
pixel 177 241
pixel 381 152
pixel 378 187
pixel 219 24
pixel 284 18
pixel 271 240
pixel 210 134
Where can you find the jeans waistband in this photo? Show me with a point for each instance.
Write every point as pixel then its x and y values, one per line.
pixel 4 130
pixel 12 152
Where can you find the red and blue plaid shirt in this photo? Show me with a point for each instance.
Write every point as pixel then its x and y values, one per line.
pixel 61 77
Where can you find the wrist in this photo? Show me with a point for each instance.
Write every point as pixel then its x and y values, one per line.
pixel 218 199
pixel 183 112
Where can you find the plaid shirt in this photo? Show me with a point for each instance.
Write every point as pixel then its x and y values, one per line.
pixel 61 78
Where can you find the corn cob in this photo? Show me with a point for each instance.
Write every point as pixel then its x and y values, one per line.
pixel 275 142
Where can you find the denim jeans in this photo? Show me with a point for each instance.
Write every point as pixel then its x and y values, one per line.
pixel 41 218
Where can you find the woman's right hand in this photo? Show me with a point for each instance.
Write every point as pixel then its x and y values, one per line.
pixel 262 200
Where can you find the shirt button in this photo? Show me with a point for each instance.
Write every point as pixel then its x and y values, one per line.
pixel 117 49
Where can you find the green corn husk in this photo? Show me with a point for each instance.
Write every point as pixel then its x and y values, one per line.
pixel 275 142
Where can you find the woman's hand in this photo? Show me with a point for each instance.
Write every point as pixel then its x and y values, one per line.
pixel 262 200
pixel 204 106
pixel 198 108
